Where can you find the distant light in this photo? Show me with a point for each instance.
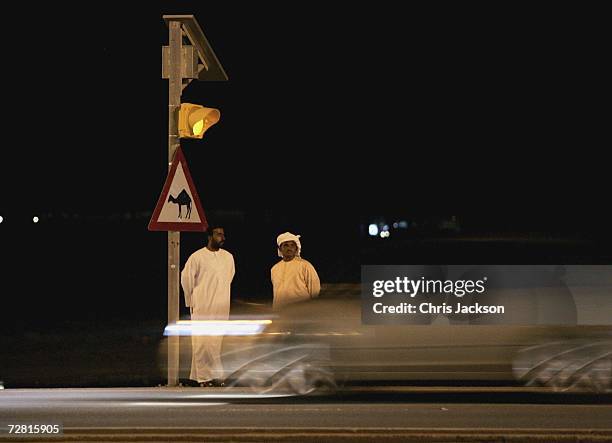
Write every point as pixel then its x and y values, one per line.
pixel 1 219
pixel 403 224
pixel 395 225
pixel 385 227
pixel 373 229
pixel 35 219
pixel 384 234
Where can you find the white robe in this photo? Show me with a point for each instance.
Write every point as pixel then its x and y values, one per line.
pixel 206 281
pixel 293 281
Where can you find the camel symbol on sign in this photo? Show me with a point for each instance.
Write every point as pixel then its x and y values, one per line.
pixel 182 199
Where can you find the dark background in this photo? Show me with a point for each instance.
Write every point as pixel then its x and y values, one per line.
pixel 327 117
pixel 74 265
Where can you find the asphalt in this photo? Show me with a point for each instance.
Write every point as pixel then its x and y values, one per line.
pixel 196 414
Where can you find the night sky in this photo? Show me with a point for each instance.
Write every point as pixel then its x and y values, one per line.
pixel 326 116
pixel 349 109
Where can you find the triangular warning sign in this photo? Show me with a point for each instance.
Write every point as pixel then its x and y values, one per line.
pixel 178 207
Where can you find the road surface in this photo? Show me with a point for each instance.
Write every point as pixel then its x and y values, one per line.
pixel 196 414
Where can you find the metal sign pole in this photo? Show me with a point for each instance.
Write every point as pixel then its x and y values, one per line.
pixel 180 63
pixel 174 237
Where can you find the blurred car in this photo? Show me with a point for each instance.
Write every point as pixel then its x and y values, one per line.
pixel 322 344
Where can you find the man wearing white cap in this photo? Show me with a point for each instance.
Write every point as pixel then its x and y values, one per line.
pixel 293 278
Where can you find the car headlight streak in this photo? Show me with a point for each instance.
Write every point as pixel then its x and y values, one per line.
pixel 216 327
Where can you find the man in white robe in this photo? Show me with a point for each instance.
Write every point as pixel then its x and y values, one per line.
pixel 293 278
pixel 206 281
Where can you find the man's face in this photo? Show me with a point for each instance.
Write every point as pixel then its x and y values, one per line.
pixel 288 250
pixel 218 237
